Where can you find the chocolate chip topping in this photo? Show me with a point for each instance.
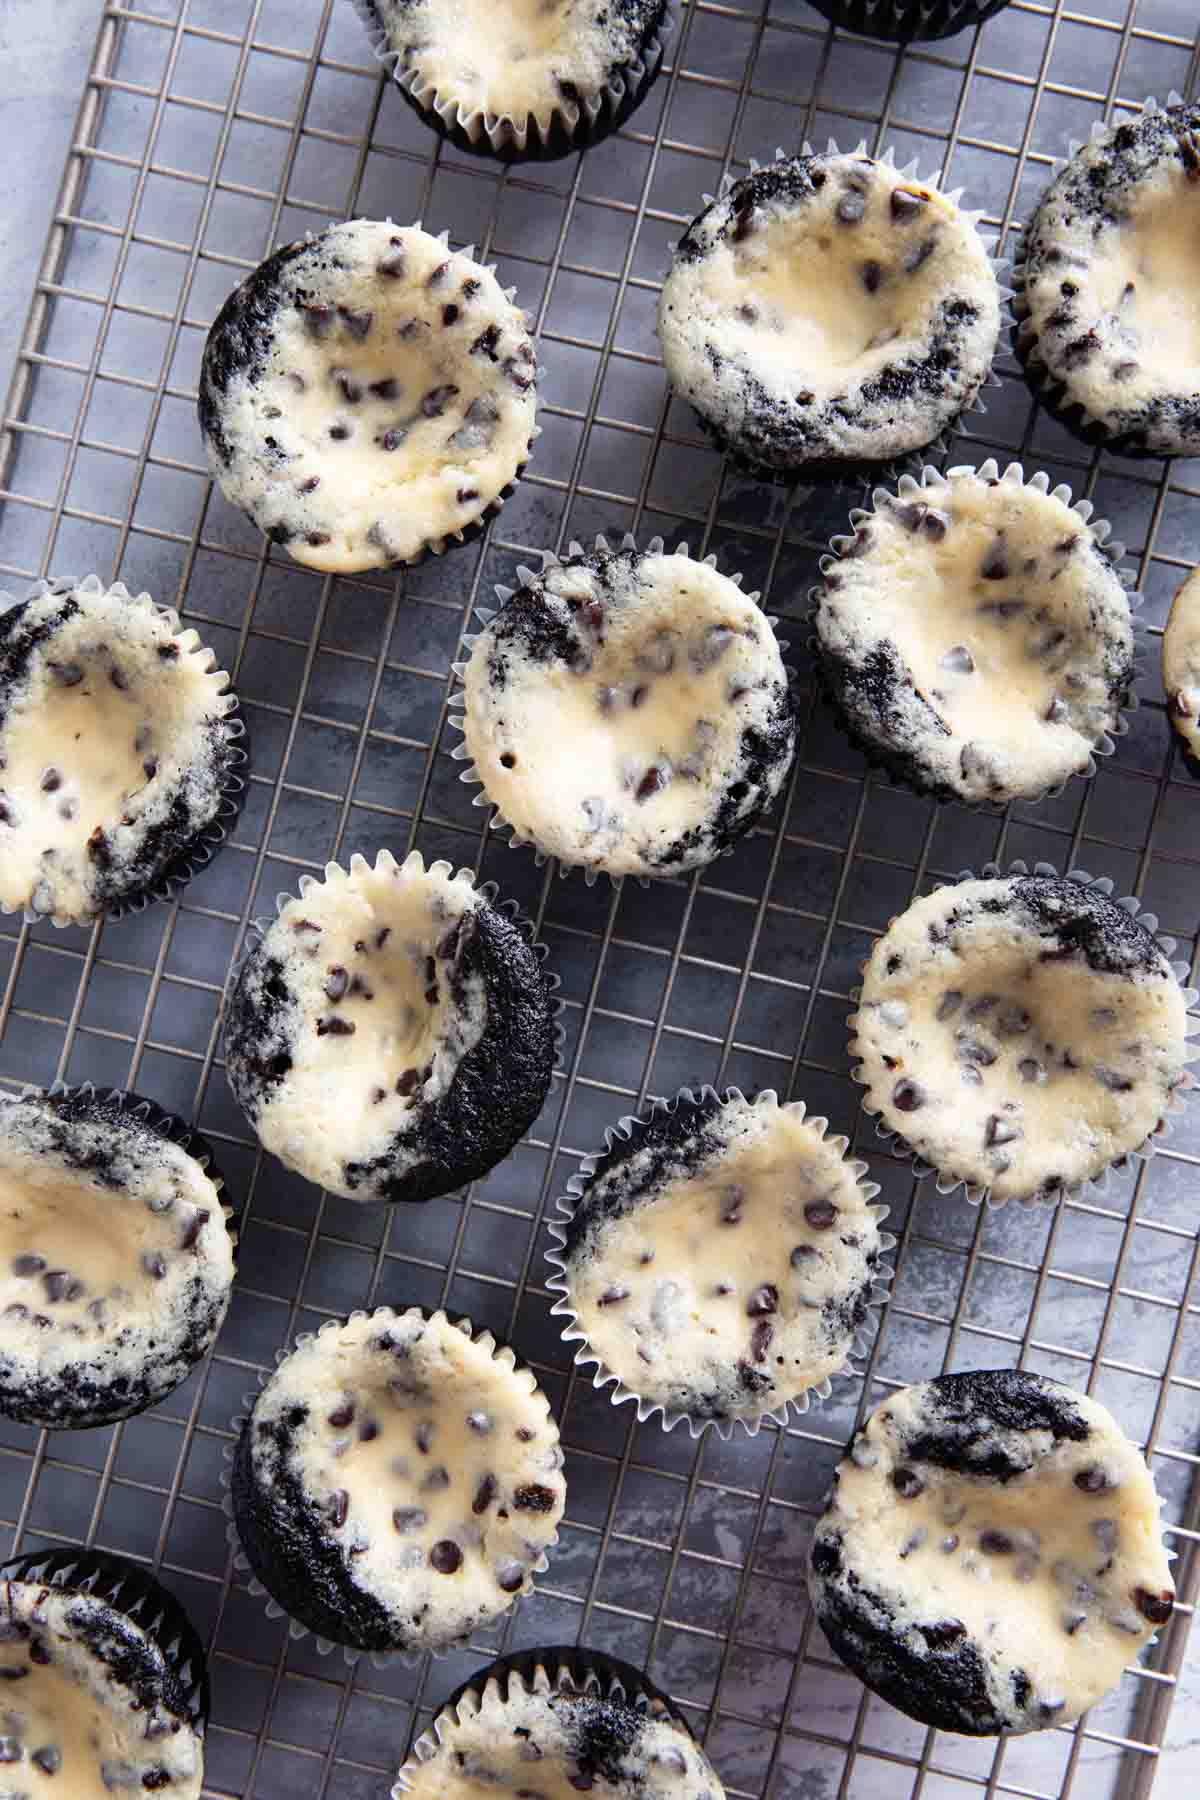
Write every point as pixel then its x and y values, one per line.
pixel 446 1557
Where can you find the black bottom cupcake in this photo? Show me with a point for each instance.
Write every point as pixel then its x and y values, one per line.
pixel 556 79
pixel 990 1555
pixel 589 1722
pixel 105 1683
pixel 398 1482
pixel 390 1035
pixel 908 21
pixel 120 753
pixel 1181 669
pixel 116 1263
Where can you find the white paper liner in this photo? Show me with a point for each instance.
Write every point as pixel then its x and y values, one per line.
pixel 602 1376
pixel 571 126
pixel 413 864
pixel 924 486
pixel 854 473
pixel 973 1192
pixel 456 708
pixel 408 1657
pixel 909 21
pixel 1053 393
pixel 561 1669
pixel 194 855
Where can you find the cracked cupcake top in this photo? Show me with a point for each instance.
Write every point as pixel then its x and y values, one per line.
pixel 990 1556
pixel 628 711
pixel 551 59
pixel 92 1706
pixel 1110 281
pixel 580 1742
pixel 1020 1033
pixel 397 1481
pixel 872 360
pixel 115 750
pixel 720 1261
pixel 976 636
pixel 1181 663
pixel 366 394
pixel 116 1265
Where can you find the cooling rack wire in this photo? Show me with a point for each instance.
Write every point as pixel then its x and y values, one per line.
pixel 209 130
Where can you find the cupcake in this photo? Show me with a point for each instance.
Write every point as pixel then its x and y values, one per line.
pixel 589 1722
pixel 975 636
pixel 907 21
pixel 1020 1033
pixel 1181 668
pixel 397 1482
pixel 106 1683
pixel 116 1258
pixel 551 80
pixel 119 752
pixel 368 394
pixel 1108 323
pixel 990 1557
pixel 874 360
pixel 627 711
pixel 389 1035
pixel 718 1260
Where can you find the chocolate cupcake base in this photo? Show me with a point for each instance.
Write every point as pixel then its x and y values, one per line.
pixel 908 21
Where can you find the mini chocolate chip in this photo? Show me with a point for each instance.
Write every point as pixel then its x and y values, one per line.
pixel 47 1758
pixel 1157 1608
pixel 435 402
pixel 11 1750
pixel 407 1082
pixel 318 320
pixel 1113 1081
pixel 949 1004
pixel 424 1436
pixel 1000 1130
pixel 1093 1480
pixel 485 1493
pixel 337 982
pixel 510 1577
pixel 465 495
pixel 368 1431
pixel 949 1544
pixel 525 1435
pixel 66 674
pixel 533 1497
pixel 341 1416
pixel 651 783
pixel 333 1026
pixel 60 1285
pixel 995 565
pixel 872 276
pixel 821 1214
pixel 409 1518
pixel 30 1263
pixel 995 1543
pixel 942 1634
pixel 437 1479
pixel 905 203
pixel 339 433
pixel 449 314
pixel 732 1203
pixel 351 390
pixel 851 207
pixel 613 1295
pixel 193 1228
pixel 358 324
pixel 1030 1069
pixel 908 1096
pixel 339 1507
pixel 764 1299
pixel 446 1556
pixel 393 437
pixel 760 1340
pixel 480 1422
pixel 51 781
pixel 907 1482
pixel 958 661
pixel 155 1265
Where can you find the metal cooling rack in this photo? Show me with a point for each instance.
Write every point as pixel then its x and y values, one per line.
pixel 208 131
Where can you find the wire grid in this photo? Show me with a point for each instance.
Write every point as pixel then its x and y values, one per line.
pixel 208 131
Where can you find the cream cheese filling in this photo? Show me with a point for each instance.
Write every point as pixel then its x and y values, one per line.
pixel 530 1744
pixel 396 403
pixel 435 1462
pixel 111 719
pixel 69 1728
pixel 1005 1069
pixel 377 1028
pixel 1042 1570
pixel 611 760
pixel 1181 663
pixel 509 65
pixel 739 1264
pixel 1009 628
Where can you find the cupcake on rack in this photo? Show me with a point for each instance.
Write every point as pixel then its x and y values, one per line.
pixel 908 21
pixel 368 395
pixel 551 79
pixel 873 361
pixel 397 1482
pixel 1181 668
pixel 120 752
pixel 627 711
pixel 1109 329
pixel 990 1556
pixel 390 1033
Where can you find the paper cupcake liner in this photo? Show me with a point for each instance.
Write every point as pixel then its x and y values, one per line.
pixel 839 475
pixel 456 706
pixel 1047 390
pixel 199 851
pixel 557 1668
pixel 973 1192
pixel 901 768
pixel 908 21
pixel 131 1590
pixel 602 1376
pixel 406 1658
pixel 573 125
pixel 176 1131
